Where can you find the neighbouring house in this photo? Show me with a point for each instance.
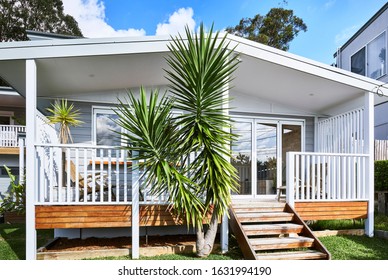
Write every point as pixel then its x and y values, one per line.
pixel 12 123
pixel 12 129
pixel 365 54
pixel 304 127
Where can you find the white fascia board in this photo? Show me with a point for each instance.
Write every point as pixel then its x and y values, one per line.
pixel 82 47
pixel 273 55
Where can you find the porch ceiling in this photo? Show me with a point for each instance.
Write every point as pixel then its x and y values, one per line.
pixel 269 74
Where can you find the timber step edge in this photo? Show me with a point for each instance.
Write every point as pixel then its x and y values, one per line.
pixel 270 229
pixel 277 243
pixel 292 255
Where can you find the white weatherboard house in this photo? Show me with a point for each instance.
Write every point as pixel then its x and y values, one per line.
pixel 302 124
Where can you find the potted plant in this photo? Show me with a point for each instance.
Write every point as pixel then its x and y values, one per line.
pixel 14 205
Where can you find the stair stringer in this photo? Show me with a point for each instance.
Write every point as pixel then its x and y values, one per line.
pixel 246 247
pixel 306 231
pixel 242 239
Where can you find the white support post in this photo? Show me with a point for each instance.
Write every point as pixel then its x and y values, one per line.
pixel 31 94
pixel 290 168
pixel 225 234
pixel 369 149
pixel 21 160
pixel 316 135
pixel 135 208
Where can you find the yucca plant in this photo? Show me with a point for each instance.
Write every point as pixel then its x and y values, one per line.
pixel 201 71
pixel 66 116
pixel 201 68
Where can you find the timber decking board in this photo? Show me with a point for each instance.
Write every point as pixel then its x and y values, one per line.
pixel 293 255
pixel 270 229
pixel 102 216
pixel 332 210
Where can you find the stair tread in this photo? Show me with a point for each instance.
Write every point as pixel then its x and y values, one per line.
pixel 272 226
pixel 280 240
pixel 263 214
pixel 292 255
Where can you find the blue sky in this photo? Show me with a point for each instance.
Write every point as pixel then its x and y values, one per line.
pixel 330 22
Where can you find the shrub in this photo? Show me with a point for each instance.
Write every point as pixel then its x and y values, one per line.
pixel 16 200
pixel 381 175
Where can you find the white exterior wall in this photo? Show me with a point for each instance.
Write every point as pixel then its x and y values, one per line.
pixel 378 26
pixel 372 31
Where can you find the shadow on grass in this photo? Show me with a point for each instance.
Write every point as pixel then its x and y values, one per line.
pixel 13 241
pixel 12 247
pixel 356 247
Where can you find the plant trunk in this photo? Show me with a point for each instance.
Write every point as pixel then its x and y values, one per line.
pixel 205 240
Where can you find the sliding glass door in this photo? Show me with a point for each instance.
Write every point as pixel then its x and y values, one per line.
pixel 259 153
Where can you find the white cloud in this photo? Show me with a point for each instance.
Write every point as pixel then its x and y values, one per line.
pixel 90 15
pixel 345 34
pixel 177 22
pixel 329 4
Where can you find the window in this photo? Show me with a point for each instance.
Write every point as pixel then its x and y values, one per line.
pixel 376 57
pixel 358 62
pixel 370 61
pixel 105 128
pixel 6 118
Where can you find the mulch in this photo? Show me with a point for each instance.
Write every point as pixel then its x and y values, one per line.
pixel 93 243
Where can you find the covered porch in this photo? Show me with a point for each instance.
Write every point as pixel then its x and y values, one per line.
pixel 329 111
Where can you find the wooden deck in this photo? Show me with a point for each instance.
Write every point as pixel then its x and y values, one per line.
pixel 9 150
pixel 336 210
pixel 102 216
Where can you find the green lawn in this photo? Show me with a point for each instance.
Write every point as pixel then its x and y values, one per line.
pixel 12 241
pixel 12 244
pixel 356 247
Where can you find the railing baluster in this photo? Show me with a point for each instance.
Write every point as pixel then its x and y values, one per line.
pixel 117 176
pixel 109 175
pixel 125 176
pixel 68 189
pixel 101 177
pixel 85 181
pixel 77 174
pixel 51 174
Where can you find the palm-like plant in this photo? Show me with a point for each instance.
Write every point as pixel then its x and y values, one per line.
pixel 201 67
pixel 65 115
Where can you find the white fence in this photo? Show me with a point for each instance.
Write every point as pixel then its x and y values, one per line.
pixel 9 135
pixel 326 177
pixel 342 133
pixel 76 174
pixel 381 149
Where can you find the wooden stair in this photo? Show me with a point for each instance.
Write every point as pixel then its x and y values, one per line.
pixel 273 231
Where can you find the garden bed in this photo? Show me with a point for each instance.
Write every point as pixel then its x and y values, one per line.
pixel 65 249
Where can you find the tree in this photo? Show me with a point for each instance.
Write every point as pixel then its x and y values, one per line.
pixel 17 16
pixel 276 29
pixel 200 73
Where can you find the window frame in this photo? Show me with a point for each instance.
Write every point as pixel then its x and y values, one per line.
pixel 366 55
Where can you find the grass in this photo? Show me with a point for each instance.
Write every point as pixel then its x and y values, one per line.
pixel 381 223
pixel 12 243
pixel 356 247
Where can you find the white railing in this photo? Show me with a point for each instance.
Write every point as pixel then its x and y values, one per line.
pixel 343 133
pixel 9 135
pixel 326 177
pixel 85 174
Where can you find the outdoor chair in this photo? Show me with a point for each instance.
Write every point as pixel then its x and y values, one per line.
pixel 99 177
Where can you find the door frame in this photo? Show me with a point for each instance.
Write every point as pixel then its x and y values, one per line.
pixel 279 164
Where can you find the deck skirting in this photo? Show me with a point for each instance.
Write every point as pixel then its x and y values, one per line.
pixel 102 216
pixel 333 210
